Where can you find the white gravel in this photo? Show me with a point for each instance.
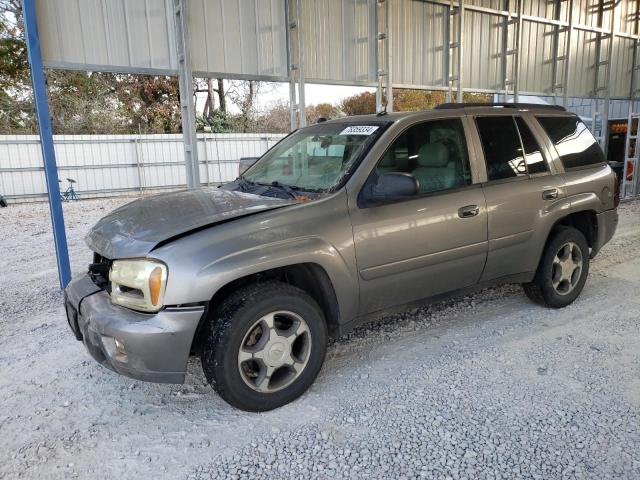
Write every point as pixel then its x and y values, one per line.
pixel 486 386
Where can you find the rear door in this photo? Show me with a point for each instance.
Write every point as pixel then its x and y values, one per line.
pixel 521 191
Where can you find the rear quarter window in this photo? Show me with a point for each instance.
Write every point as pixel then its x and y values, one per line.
pixel 574 143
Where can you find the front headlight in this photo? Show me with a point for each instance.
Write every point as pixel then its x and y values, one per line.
pixel 138 284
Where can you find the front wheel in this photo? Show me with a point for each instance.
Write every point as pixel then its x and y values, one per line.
pixel 563 270
pixel 264 346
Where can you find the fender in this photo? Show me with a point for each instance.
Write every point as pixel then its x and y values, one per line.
pixel 571 204
pixel 282 254
pixel 217 273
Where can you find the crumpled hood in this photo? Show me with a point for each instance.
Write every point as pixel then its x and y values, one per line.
pixel 135 229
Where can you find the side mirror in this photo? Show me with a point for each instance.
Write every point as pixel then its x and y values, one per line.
pixel 394 186
pixel 245 163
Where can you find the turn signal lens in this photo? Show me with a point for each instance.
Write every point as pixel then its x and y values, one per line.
pixel 155 285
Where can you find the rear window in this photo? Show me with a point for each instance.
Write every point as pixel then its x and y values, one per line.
pixel 574 142
pixel 536 162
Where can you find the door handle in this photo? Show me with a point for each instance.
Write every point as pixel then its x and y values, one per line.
pixel 550 194
pixel 468 211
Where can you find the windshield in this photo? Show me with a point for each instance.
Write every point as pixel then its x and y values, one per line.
pixel 315 158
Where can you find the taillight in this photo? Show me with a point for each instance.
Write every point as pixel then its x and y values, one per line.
pixel 616 190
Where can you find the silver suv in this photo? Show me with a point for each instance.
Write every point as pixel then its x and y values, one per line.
pixel 336 224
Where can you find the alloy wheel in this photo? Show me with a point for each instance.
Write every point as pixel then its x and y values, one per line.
pixel 274 351
pixel 566 268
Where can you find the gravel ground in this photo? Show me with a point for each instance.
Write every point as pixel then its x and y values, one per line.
pixel 484 386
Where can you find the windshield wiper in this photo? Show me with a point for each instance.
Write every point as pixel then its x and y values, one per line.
pixel 244 184
pixel 283 187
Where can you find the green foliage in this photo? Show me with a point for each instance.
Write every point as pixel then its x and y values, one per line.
pixel 359 104
pixel 405 100
pixel 216 122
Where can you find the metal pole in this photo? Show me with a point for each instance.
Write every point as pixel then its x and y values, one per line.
pixel 567 58
pixel 387 54
pixel 187 108
pixel 555 46
pixel 302 115
pixel 607 81
pixel 505 51
pixel 460 44
pixel 380 36
pixel 447 62
pixel 46 140
pixel 516 81
pixel 293 13
pixel 291 24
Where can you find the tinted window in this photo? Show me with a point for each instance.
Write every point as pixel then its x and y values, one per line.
pixel 533 155
pixel 435 153
pixel 573 140
pixel 502 148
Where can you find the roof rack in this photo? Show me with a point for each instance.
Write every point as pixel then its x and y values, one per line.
pixel 453 106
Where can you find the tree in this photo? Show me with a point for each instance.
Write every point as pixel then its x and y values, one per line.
pixel 216 122
pixel 274 119
pixel 470 97
pixel 148 103
pixel 80 102
pixel 406 100
pixel 359 104
pixel 321 110
pixel 16 103
pixel 212 87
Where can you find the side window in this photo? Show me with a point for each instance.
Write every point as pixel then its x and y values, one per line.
pixel 502 148
pixel 574 142
pixel 434 152
pixel 535 160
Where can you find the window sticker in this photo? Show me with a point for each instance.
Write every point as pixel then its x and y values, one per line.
pixel 359 130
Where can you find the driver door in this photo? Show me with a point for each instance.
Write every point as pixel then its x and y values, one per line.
pixel 429 244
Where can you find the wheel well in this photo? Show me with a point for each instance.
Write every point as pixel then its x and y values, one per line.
pixel 310 277
pixel 586 222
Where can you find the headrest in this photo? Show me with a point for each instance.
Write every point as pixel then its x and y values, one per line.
pixel 440 134
pixel 433 155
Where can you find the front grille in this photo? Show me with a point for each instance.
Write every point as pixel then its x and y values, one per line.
pixel 99 270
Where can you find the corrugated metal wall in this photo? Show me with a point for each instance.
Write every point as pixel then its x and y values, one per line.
pixel 536 71
pixel 247 39
pixel 482 51
pixel 119 35
pixel 238 38
pixel 339 40
pixel 418 43
pixel 107 164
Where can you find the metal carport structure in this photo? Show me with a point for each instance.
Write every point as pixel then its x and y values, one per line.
pixel 559 49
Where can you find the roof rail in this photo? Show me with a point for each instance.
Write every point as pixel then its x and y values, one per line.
pixel 453 106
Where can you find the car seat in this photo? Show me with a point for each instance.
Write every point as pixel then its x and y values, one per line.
pixel 435 171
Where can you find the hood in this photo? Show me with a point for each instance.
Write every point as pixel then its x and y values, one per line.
pixel 138 227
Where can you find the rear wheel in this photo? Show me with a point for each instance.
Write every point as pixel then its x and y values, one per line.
pixel 264 346
pixel 563 270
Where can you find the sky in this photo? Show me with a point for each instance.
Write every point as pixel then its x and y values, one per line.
pixel 274 93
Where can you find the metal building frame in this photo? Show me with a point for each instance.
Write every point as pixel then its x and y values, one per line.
pixel 187 107
pixel 455 46
pixel 46 141
pixel 631 150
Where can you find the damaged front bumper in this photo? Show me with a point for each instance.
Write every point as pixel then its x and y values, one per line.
pixel 150 347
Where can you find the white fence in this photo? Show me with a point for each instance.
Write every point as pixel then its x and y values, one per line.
pixel 104 165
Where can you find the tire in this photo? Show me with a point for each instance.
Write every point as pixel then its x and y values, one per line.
pixel 235 337
pixel 568 247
